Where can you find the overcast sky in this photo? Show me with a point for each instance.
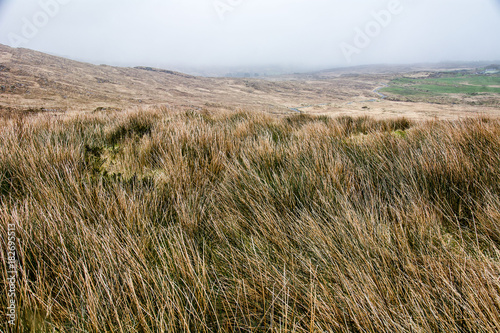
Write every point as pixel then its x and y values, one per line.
pixel 300 33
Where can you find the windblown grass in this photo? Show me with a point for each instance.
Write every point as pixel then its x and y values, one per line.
pixel 155 221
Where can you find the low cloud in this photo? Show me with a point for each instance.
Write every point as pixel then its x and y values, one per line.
pixel 297 33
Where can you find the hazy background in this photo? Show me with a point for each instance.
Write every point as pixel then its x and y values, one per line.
pixel 293 34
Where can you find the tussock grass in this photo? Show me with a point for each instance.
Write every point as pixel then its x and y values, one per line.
pixel 156 221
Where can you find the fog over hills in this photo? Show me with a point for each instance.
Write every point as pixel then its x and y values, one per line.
pixel 217 37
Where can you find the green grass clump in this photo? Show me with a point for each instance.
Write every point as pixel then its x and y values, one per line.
pixel 155 221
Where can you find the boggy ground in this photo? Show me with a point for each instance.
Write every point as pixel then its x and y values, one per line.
pixel 157 220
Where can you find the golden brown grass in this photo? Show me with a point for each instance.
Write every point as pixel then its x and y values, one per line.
pixel 156 221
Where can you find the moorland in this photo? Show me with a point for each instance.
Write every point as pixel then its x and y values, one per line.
pixel 350 200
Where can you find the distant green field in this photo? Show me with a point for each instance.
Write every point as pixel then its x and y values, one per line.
pixel 454 84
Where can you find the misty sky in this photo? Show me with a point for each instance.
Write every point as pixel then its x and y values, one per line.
pixel 300 33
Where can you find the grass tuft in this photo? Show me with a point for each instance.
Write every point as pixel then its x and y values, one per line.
pixel 156 221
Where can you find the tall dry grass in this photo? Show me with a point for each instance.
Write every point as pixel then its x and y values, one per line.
pixel 156 221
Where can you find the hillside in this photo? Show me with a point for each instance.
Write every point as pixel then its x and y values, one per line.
pixel 35 81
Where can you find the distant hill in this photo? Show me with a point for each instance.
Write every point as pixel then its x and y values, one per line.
pixel 31 79
pixel 492 67
pixel 157 70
